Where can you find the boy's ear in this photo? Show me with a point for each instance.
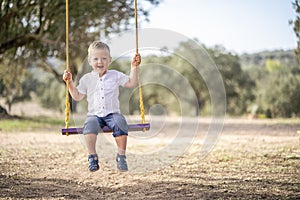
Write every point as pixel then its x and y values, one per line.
pixel 89 60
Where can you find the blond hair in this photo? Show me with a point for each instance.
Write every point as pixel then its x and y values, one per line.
pixel 98 45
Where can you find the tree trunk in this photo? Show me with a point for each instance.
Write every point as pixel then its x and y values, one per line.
pixel 3 111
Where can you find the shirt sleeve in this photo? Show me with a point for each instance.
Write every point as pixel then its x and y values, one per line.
pixel 82 86
pixel 122 78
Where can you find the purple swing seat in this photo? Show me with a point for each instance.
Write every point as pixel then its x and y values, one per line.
pixel 131 127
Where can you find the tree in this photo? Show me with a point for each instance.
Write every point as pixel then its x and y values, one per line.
pixel 191 61
pixel 194 64
pixel 281 95
pixel 35 29
pixel 273 65
pixel 277 91
pixel 15 90
pixel 32 31
pixel 296 25
pixel 238 84
pixel 27 26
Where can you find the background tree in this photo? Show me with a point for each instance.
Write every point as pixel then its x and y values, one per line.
pixel 194 65
pixel 280 97
pixel 296 25
pixel 277 85
pixel 192 62
pixel 15 89
pixel 238 84
pixel 32 31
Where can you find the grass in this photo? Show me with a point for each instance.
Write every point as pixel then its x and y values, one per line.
pixel 287 120
pixel 30 124
pixel 42 122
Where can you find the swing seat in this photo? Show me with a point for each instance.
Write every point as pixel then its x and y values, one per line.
pixel 105 129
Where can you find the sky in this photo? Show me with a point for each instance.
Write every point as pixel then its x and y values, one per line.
pixel 241 26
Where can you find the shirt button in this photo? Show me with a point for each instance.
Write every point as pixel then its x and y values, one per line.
pixel 100 79
pixel 101 88
pixel 102 97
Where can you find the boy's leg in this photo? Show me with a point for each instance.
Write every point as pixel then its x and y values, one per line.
pixel 121 144
pixel 90 139
pixel 90 131
pixel 118 124
pixel 121 158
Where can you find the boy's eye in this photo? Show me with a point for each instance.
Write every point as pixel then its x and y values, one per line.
pixel 97 59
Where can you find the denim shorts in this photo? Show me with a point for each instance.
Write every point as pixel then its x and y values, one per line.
pixel 115 121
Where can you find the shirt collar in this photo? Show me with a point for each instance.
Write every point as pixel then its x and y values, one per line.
pixel 96 73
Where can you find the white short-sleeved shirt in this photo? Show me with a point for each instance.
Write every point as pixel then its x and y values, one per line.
pixel 102 92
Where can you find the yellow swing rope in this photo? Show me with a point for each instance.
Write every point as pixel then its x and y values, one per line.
pixel 138 70
pixel 67 110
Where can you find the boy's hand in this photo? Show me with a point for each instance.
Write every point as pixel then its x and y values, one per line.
pixel 67 76
pixel 136 60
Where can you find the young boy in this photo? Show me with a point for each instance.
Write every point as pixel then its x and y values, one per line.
pixel 101 87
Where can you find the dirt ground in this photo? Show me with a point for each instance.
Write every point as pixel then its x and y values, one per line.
pixel 252 159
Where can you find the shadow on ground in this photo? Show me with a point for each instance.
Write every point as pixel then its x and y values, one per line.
pixel 32 188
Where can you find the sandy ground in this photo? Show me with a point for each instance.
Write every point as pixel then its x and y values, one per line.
pixel 249 159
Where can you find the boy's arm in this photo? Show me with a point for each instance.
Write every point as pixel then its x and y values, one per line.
pixel 133 77
pixel 76 95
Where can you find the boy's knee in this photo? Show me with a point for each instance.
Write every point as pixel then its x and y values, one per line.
pixel 118 134
pixel 91 125
pixel 120 127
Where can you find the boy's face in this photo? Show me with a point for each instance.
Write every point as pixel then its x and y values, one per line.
pixel 99 59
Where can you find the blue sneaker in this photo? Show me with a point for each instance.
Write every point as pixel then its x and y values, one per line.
pixel 121 163
pixel 93 162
